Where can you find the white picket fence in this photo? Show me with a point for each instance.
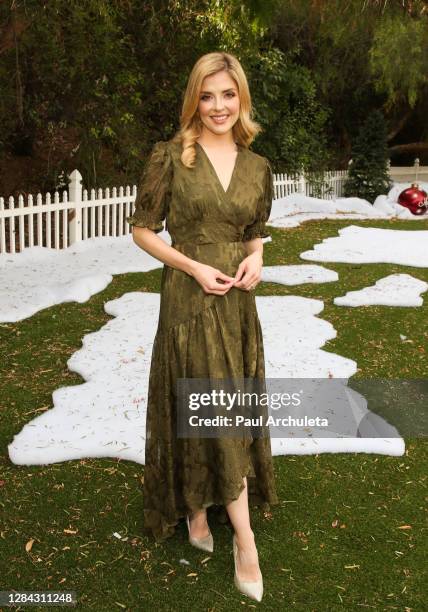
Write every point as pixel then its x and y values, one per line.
pixel 332 187
pixel 58 223
pixel 409 174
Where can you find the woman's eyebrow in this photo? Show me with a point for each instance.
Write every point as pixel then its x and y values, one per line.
pixel 224 90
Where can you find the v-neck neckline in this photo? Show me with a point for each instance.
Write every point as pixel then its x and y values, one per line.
pixel 214 172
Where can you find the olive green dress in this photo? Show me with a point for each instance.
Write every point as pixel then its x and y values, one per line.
pixel 202 335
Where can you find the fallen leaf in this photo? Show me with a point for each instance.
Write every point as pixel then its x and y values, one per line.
pixel 29 545
pixel 184 562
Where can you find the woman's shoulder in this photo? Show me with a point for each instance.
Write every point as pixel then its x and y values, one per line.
pixel 166 151
pixel 171 147
pixel 257 159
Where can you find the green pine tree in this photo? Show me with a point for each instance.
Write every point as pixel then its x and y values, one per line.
pixel 368 174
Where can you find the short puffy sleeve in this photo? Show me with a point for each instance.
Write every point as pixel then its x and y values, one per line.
pixel 151 202
pixel 257 229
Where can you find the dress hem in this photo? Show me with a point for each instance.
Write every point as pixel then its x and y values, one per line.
pixel 169 528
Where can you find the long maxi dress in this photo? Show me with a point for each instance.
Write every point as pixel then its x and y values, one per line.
pixel 202 335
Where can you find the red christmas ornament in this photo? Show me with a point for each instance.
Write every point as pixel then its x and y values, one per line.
pixel 415 199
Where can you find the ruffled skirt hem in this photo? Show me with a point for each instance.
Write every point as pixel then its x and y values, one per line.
pixel 163 526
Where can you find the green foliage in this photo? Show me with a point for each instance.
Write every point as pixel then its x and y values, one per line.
pixel 368 174
pixel 93 84
pixel 285 101
pixel 362 55
pixel 399 58
pixel 103 81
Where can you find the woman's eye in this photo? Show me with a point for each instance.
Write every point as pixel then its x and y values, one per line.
pixel 229 94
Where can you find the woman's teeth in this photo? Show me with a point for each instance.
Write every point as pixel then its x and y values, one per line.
pixel 219 119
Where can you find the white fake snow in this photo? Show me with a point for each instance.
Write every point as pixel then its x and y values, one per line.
pixel 373 245
pixel 393 290
pixel 298 274
pixel 105 416
pixel 295 208
pixel 40 277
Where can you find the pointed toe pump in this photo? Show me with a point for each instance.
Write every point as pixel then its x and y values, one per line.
pixel 206 543
pixel 251 589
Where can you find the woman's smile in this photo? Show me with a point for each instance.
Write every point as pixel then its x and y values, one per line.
pixel 219 118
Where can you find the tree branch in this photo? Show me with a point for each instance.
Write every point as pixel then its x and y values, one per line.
pixel 408 147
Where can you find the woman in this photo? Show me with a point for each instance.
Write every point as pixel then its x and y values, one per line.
pixel 216 197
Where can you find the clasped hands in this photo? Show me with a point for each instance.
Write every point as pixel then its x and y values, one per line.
pixel 246 278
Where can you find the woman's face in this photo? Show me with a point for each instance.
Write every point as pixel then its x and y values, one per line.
pixel 219 98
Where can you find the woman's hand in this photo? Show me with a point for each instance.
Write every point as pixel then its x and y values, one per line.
pixel 249 272
pixel 207 278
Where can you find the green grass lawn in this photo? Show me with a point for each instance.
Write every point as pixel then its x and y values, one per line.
pixel 347 535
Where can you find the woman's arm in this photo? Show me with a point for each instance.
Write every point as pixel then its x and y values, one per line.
pixel 148 240
pixel 254 246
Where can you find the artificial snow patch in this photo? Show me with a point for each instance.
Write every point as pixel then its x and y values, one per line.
pixel 105 416
pixel 373 245
pixel 298 274
pixel 294 209
pixel 293 337
pixel 393 290
pixel 40 277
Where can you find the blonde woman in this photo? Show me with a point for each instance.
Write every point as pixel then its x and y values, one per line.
pixel 215 195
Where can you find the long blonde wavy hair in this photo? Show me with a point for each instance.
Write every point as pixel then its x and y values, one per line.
pixel 244 130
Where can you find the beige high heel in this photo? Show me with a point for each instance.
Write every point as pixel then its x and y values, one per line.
pixel 206 543
pixel 252 589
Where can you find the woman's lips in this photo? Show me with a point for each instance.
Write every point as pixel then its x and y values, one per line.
pixel 219 118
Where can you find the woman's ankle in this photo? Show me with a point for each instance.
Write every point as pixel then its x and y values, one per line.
pixel 245 538
pixel 198 516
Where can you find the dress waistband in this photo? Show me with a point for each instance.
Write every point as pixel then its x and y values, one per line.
pixel 193 243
